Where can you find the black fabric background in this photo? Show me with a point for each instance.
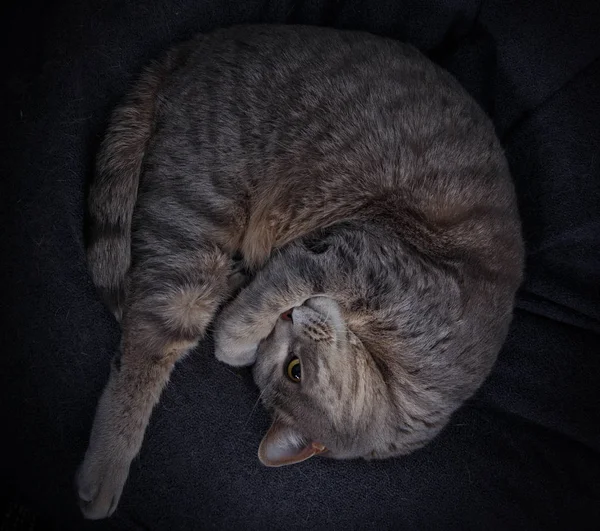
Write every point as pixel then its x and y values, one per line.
pixel 523 454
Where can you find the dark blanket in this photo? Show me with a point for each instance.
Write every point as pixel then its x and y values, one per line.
pixel 524 453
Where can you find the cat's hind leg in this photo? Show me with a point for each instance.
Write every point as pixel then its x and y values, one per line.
pixel 172 297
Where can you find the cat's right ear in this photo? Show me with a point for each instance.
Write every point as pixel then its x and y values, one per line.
pixel 282 445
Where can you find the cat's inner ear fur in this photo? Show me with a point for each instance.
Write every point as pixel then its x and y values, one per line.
pixel 283 445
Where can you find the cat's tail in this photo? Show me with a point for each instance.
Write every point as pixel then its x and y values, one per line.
pixel 113 193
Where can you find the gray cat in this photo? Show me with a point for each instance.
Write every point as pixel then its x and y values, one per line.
pixel 369 199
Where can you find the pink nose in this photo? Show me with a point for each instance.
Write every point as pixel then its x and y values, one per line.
pixel 287 316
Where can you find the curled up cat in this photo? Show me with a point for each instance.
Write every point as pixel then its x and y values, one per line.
pixel 370 200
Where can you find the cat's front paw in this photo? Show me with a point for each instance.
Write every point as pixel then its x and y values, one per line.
pixel 99 481
pixel 231 349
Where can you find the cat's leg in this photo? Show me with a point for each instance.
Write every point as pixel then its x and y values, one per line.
pixel 172 298
pixel 239 276
pixel 292 276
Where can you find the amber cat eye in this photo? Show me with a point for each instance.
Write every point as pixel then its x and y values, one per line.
pixel 294 371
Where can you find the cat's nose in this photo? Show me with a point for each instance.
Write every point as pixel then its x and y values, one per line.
pixel 287 316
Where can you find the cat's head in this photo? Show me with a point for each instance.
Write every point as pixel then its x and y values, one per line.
pixel 326 393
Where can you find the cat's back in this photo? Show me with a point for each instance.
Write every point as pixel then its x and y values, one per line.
pixel 310 79
pixel 306 126
pixel 308 97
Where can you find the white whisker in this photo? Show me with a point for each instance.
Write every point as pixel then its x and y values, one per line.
pixel 256 404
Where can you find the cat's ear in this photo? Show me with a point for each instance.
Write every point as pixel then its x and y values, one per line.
pixel 282 445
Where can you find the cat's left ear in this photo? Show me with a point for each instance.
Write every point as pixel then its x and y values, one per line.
pixel 282 445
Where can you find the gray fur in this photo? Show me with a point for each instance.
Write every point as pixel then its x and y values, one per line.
pixel 361 186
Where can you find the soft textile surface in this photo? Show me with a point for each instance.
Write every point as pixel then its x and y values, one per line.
pixel 525 453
